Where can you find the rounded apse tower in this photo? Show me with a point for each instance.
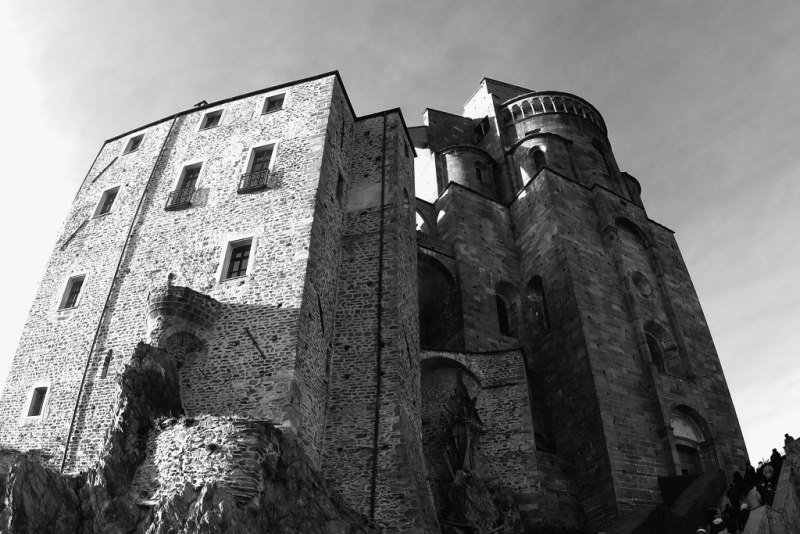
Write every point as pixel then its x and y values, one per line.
pixel 548 250
pixel 566 134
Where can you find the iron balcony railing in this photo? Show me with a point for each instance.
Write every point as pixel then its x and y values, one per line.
pixel 180 198
pixel 256 181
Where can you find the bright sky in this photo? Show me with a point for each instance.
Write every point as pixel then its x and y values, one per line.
pixel 700 99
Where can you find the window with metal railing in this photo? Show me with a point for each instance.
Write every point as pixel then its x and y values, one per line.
pixel 182 196
pixel 257 176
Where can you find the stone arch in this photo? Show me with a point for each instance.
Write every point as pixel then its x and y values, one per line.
pixel 438 377
pixel 441 322
pixel 694 445
pixel 516 112
pixel 663 349
pixel 508 309
pixel 422 224
pixel 507 118
pixel 536 302
pixel 638 231
pixel 537 106
pixel 661 345
pixel 527 110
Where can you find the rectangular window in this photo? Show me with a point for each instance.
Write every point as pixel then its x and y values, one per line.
pixel 72 293
pixel 37 402
pixel 261 159
pixel 190 176
pixel 257 175
pixel 211 120
pixel 273 103
pixel 187 183
pixel 240 255
pixel 106 201
pixel 133 144
pixel 237 259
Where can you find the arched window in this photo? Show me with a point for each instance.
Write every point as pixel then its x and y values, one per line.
pixel 502 316
pixel 516 112
pixel 538 158
pixel 689 442
pixel 537 303
pixel 340 189
pixel 537 106
pixel 507 117
pixel 656 354
pixel 479 171
pixel 526 109
pixel 441 322
pixel 508 308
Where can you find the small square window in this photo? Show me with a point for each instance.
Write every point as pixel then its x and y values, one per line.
pixel 273 103
pixel 106 202
pixel 237 259
pixel 211 120
pixel 133 144
pixel 72 293
pixel 37 402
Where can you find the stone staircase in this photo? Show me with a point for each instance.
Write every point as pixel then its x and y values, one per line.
pixel 686 501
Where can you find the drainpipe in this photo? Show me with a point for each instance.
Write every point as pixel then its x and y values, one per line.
pixel 110 290
pixel 378 342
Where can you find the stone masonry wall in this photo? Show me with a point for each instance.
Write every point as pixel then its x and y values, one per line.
pixel 201 451
pixel 250 363
pixel 562 378
pixel 318 309
pixel 394 489
pixel 505 452
pixel 482 238
pixel 55 343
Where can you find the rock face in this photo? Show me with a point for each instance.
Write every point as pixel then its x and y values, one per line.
pixel 473 507
pixel 250 478
pixel 294 500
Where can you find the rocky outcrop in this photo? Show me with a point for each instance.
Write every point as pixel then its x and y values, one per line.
pixel 473 507
pixel 250 478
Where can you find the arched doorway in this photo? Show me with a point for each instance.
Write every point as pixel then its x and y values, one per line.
pixel 441 323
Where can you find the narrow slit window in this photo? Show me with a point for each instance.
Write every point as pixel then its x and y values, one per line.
pixel 37 402
pixel 340 189
pixel 273 103
pixel 502 316
pixel 479 171
pixel 539 159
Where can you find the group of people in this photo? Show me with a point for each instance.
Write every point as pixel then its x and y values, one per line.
pixel 746 493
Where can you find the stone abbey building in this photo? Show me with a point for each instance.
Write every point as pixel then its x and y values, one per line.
pixel 340 277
